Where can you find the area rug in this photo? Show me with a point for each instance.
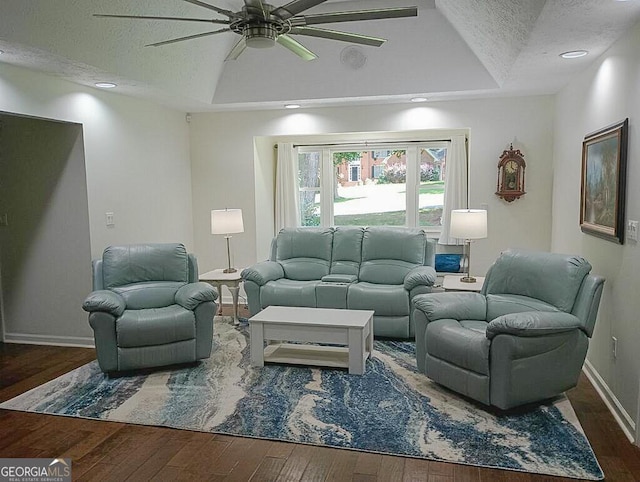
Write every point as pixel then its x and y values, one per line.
pixel 391 409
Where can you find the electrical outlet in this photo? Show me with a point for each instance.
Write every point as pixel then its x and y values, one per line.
pixel 614 347
pixel 4 220
pixel 632 230
pixel 109 219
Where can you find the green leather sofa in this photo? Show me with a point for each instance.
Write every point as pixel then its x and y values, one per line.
pixel 522 339
pixel 374 268
pixel 148 308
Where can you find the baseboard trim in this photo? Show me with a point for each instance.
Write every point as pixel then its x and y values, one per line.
pixel 27 339
pixel 626 423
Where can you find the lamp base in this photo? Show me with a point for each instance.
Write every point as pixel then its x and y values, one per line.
pixel 229 270
pixel 468 279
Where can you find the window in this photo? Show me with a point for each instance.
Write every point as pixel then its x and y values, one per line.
pixel 360 187
pixel 354 171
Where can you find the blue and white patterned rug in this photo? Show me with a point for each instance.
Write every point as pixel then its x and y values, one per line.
pixel 391 409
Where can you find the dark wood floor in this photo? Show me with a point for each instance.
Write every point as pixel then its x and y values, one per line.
pixel 118 451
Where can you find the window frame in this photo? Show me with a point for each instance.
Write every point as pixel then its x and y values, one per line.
pixel 412 193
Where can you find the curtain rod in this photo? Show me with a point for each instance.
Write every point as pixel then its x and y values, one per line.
pixel 370 143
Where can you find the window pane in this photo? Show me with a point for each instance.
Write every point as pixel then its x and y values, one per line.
pixel 431 190
pixel 309 188
pixel 370 188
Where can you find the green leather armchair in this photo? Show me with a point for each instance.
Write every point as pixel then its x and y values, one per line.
pixel 148 308
pixel 522 339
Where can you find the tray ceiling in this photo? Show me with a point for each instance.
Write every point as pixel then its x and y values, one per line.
pixel 453 49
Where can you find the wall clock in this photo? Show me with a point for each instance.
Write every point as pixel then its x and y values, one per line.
pixel 511 175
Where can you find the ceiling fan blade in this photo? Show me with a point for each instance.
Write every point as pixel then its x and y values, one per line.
pixel 144 17
pixel 354 16
pixel 335 35
pixel 237 49
pixel 219 10
pixel 295 7
pixel 180 39
pixel 296 47
pixel 256 6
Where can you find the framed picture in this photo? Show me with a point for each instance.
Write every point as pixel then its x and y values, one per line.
pixel 602 196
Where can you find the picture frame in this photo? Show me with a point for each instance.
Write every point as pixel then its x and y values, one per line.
pixel 603 182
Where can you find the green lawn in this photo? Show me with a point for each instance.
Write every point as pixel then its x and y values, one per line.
pixel 432 187
pixel 428 217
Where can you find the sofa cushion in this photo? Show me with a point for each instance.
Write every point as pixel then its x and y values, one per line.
pixel 388 254
pixel 152 294
pixel 550 277
pixel 156 326
pixel 463 346
pixel 124 265
pixel 304 253
pixel 286 292
pixel 385 300
pixel 347 251
pixel 498 305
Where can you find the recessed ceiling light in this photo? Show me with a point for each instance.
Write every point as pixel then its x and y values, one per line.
pixel 419 99
pixel 292 106
pixel 573 54
pixel 106 85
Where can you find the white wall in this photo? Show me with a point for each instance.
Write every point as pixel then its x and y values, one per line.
pixel 137 166
pixel 227 170
pixel 43 193
pixel 603 95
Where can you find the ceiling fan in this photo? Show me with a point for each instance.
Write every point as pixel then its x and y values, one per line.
pixel 262 25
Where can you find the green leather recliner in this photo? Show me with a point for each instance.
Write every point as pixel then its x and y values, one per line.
pixel 522 339
pixel 148 308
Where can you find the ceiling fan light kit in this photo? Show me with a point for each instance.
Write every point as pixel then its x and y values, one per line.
pixel 262 25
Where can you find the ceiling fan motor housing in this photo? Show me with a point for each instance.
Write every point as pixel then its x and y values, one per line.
pixel 260 36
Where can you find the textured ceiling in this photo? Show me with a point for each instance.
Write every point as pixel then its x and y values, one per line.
pixel 453 49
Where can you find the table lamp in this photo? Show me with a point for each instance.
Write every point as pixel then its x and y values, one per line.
pixel 468 224
pixel 227 222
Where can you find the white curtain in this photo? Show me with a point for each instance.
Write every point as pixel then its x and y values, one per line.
pixel 455 186
pixel 287 204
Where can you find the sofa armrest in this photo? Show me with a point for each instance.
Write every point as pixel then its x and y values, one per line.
pixel 191 295
pixel 105 301
pixel 452 305
pixel 420 276
pixel 533 323
pixel 263 272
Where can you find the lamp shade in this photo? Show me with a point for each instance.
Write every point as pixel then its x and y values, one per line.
pixel 468 223
pixel 226 221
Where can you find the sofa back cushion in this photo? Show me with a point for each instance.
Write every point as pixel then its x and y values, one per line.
pixel 388 254
pixel 304 253
pixel 148 295
pixel 347 251
pixel 140 263
pixel 550 277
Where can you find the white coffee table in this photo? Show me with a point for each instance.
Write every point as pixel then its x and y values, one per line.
pixel 351 328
